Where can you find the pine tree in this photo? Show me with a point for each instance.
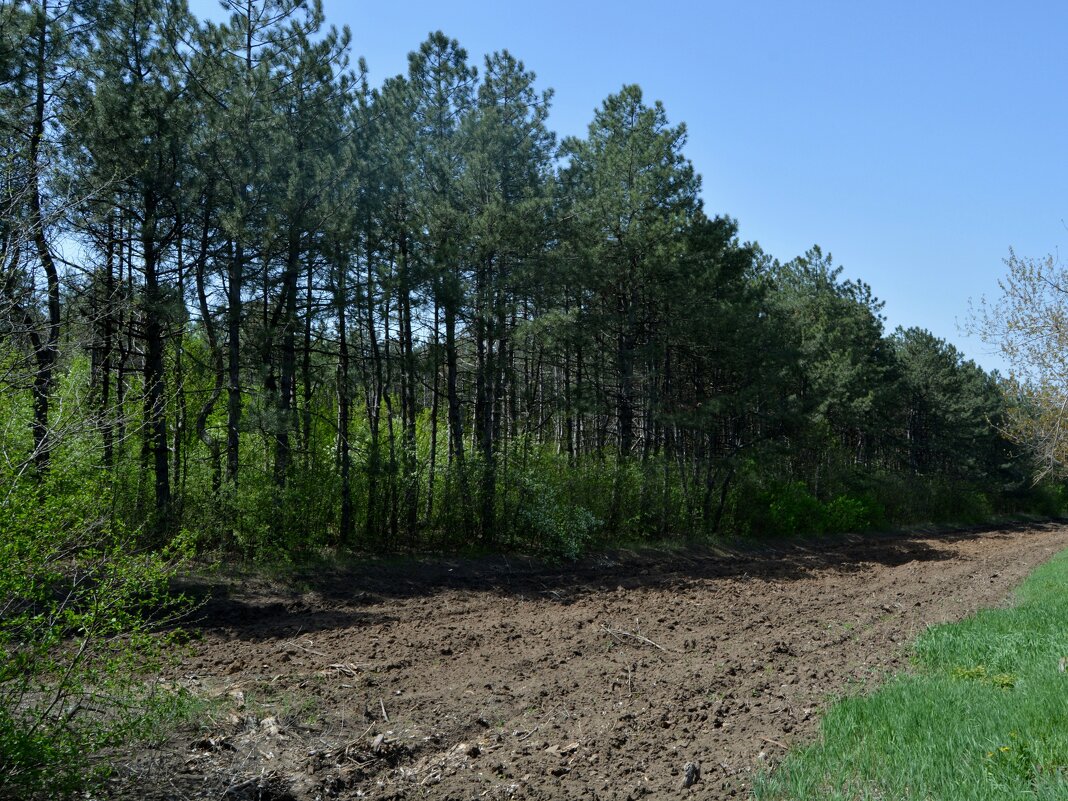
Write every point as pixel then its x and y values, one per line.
pixel 131 140
pixel 506 191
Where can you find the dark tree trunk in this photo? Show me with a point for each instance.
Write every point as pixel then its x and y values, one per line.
pixel 435 410
pixel 456 426
pixel 306 371
pixel 178 461
pixel 373 379
pixel 483 423
pixel 236 273
pixel 155 397
pixel 107 347
pixel 45 347
pixel 344 413
pixel 625 365
pixel 288 362
pixel 408 410
pixel 201 422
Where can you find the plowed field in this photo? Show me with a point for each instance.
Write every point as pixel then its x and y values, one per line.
pixel 503 678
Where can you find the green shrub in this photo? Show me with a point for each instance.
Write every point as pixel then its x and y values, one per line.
pixel 545 503
pixel 556 528
pixel 852 514
pixel 81 604
pixel 1047 499
pixel 788 509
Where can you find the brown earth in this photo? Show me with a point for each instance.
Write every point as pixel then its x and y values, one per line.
pixel 502 678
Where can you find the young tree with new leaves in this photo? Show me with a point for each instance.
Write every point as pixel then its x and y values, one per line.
pixel 41 45
pixel 1028 325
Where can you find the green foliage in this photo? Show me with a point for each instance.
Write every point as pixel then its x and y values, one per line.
pixel 984 718
pixel 952 411
pixel 402 318
pixel 545 499
pixel 915 499
pixel 81 604
pixel 555 527
pixel 979 673
pixel 846 513
pixel 1047 498
pixel 317 315
pixel 844 365
pixel 791 509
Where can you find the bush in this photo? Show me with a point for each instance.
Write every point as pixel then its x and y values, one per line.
pixel 852 514
pixel 558 529
pixel 792 509
pixel 79 608
pixel 1047 499
pixel 546 515
pixel 789 509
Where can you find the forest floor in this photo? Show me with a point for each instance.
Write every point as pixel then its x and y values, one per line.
pixel 502 678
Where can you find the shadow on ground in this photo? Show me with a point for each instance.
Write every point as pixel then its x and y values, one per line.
pixel 646 567
pixel 326 595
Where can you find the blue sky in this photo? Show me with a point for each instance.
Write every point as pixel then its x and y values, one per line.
pixel 916 141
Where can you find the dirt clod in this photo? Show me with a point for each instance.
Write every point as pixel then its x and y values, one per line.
pixel 691 774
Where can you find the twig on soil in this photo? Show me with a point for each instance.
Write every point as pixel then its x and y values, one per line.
pixel 525 735
pixel 235 789
pixel 348 668
pixel 383 706
pixel 310 650
pixel 434 776
pixel 783 746
pixel 621 634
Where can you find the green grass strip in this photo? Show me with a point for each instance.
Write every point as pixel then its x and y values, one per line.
pixel 984 718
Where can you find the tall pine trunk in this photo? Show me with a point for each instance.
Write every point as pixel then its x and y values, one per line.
pixel 208 406
pixel 288 363
pixel 155 396
pixel 344 414
pixel 408 410
pixel 45 347
pixel 306 368
pixel 235 276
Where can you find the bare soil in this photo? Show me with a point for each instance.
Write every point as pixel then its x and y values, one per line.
pixel 630 675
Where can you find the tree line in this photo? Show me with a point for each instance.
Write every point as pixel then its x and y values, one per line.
pixel 247 295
